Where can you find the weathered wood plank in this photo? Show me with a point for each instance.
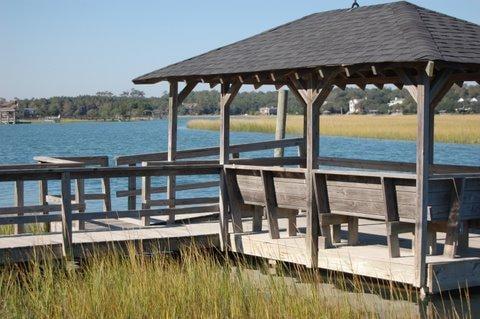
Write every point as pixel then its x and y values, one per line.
pixel 163 189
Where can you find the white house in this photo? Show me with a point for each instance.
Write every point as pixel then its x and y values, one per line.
pixel 461 100
pixel 473 100
pixel 396 101
pixel 355 106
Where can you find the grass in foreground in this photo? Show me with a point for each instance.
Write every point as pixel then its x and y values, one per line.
pixel 462 129
pixel 198 285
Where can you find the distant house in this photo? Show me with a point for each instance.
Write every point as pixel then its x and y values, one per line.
pixel 268 110
pixel 29 112
pixel 396 101
pixel 461 100
pixel 8 112
pixel 473 100
pixel 463 110
pixel 355 106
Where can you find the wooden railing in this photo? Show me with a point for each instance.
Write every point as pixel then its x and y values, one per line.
pixel 80 196
pixel 71 212
pixel 195 156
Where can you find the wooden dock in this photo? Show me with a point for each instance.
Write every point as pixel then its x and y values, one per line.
pixel 365 214
pixel 370 258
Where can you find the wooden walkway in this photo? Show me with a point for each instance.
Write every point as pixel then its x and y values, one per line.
pixel 108 234
pixel 370 258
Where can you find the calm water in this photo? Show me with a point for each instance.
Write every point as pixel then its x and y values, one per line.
pixel 20 143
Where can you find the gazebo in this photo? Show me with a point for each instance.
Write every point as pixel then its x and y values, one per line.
pixel 397 44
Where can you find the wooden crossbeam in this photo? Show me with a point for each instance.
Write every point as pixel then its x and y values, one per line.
pixel 186 91
pixel 409 83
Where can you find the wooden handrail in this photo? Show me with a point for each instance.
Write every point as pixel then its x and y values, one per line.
pixel 394 166
pixel 108 172
pixel 211 151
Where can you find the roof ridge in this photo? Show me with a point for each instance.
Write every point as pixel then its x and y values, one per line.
pixel 428 30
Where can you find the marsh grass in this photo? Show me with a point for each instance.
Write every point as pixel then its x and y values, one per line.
pixel 29 228
pixel 462 129
pixel 196 284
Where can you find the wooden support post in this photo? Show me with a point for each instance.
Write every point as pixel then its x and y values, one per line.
pixel 423 173
pixel 67 228
pixel 391 215
pixel 281 120
pixel 172 142
pixel 19 202
pixel 313 146
pixel 270 201
pixel 228 93
pixel 146 196
pixel 42 198
pixel 314 94
pixel 80 199
pixel 132 187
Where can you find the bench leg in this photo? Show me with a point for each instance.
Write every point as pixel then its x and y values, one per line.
pixel 257 219
pixel 432 242
pixel 292 225
pixel 336 233
pixel 463 237
pixel 353 231
pixel 325 241
pixel 393 242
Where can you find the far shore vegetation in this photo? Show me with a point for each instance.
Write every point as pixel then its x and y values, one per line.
pixel 134 104
pixel 462 129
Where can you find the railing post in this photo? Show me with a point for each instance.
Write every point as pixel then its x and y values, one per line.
pixel 107 201
pixel 19 202
pixel 132 187
pixel 42 194
pixel 67 249
pixel 146 196
pixel 80 199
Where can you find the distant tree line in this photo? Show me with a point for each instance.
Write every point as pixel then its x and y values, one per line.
pixel 106 105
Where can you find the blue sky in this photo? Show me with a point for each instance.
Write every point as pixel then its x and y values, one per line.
pixel 67 47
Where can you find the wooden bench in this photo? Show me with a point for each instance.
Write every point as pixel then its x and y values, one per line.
pixel 391 197
pixel 253 191
pixel 345 196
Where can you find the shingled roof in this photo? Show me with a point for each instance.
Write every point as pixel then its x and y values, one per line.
pixel 393 32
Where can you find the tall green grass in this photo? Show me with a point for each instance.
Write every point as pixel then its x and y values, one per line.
pixel 200 284
pixel 463 129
